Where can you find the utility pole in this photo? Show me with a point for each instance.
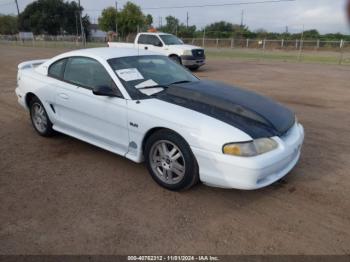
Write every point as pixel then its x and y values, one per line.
pixel 161 21
pixel 187 18
pixel 17 7
pixel 242 18
pixel 76 23
pixel 116 19
pixel 81 25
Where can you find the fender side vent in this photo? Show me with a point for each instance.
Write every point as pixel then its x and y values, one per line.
pixel 53 109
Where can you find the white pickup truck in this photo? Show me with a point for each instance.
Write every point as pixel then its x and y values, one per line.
pixel 188 55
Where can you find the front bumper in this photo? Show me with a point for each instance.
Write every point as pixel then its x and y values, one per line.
pixel 192 61
pixel 226 171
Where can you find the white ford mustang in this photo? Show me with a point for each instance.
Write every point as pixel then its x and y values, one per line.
pixel 148 108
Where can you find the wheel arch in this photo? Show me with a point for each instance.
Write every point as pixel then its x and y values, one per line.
pixel 149 133
pixel 153 130
pixel 175 55
pixel 29 97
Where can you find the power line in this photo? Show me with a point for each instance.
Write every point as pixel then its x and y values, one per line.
pixel 215 5
pixel 206 5
pixel 8 3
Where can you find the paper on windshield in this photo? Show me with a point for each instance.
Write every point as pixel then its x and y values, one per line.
pixel 147 83
pixel 129 74
pixel 151 91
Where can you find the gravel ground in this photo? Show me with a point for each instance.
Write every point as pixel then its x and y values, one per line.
pixel 63 196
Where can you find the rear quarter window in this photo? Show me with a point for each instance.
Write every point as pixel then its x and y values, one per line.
pixel 142 39
pixel 56 69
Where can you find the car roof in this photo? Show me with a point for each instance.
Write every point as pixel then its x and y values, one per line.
pixel 106 53
pixel 154 33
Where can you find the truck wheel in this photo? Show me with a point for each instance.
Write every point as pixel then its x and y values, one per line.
pixel 176 59
pixel 170 161
pixel 193 68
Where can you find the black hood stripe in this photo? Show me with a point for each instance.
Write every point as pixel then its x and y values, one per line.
pixel 254 114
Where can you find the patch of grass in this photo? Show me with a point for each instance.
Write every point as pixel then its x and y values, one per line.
pixel 285 56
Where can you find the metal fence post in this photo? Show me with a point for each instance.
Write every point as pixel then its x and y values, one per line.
pixel 300 49
pixel 296 44
pixel 318 44
pixel 232 42
pixel 264 44
pixel 203 40
pixel 341 51
pixel 247 42
pixel 282 43
pixel 217 42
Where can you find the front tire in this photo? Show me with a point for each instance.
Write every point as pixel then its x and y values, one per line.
pixel 39 118
pixel 176 59
pixel 193 68
pixel 170 161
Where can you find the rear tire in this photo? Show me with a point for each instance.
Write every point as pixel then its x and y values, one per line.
pixel 39 118
pixel 170 161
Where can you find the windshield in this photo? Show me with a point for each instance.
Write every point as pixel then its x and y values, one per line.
pixel 142 73
pixel 171 40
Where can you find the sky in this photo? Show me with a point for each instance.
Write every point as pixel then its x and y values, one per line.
pixel 327 16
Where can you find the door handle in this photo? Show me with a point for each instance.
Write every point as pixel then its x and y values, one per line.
pixel 146 47
pixel 63 96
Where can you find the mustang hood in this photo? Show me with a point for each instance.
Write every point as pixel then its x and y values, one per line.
pixel 256 115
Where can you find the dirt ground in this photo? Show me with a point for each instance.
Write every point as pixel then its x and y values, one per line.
pixel 63 196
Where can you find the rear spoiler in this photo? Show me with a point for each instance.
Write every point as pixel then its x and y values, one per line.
pixel 31 64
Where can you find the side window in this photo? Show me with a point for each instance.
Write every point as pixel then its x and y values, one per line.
pixel 142 39
pixel 153 40
pixel 87 72
pixel 56 69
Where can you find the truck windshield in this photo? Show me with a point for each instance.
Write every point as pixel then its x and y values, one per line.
pixel 149 74
pixel 171 40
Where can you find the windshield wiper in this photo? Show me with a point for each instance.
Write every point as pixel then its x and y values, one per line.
pixel 155 86
pixel 179 82
pixel 165 86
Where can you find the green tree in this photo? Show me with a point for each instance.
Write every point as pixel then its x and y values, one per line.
pixel 224 29
pixel 311 34
pixel 8 24
pixel 52 17
pixel 107 21
pixel 148 20
pixel 173 26
pixel 130 18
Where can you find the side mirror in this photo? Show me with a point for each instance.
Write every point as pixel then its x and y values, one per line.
pixel 104 91
pixel 158 44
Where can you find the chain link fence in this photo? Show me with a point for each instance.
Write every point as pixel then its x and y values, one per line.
pixel 286 50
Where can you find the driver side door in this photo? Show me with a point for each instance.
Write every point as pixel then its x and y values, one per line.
pixel 99 120
pixel 150 42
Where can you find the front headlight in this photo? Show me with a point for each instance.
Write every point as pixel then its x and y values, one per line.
pixel 252 148
pixel 187 52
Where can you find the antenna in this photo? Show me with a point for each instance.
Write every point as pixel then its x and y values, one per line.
pixel 116 19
